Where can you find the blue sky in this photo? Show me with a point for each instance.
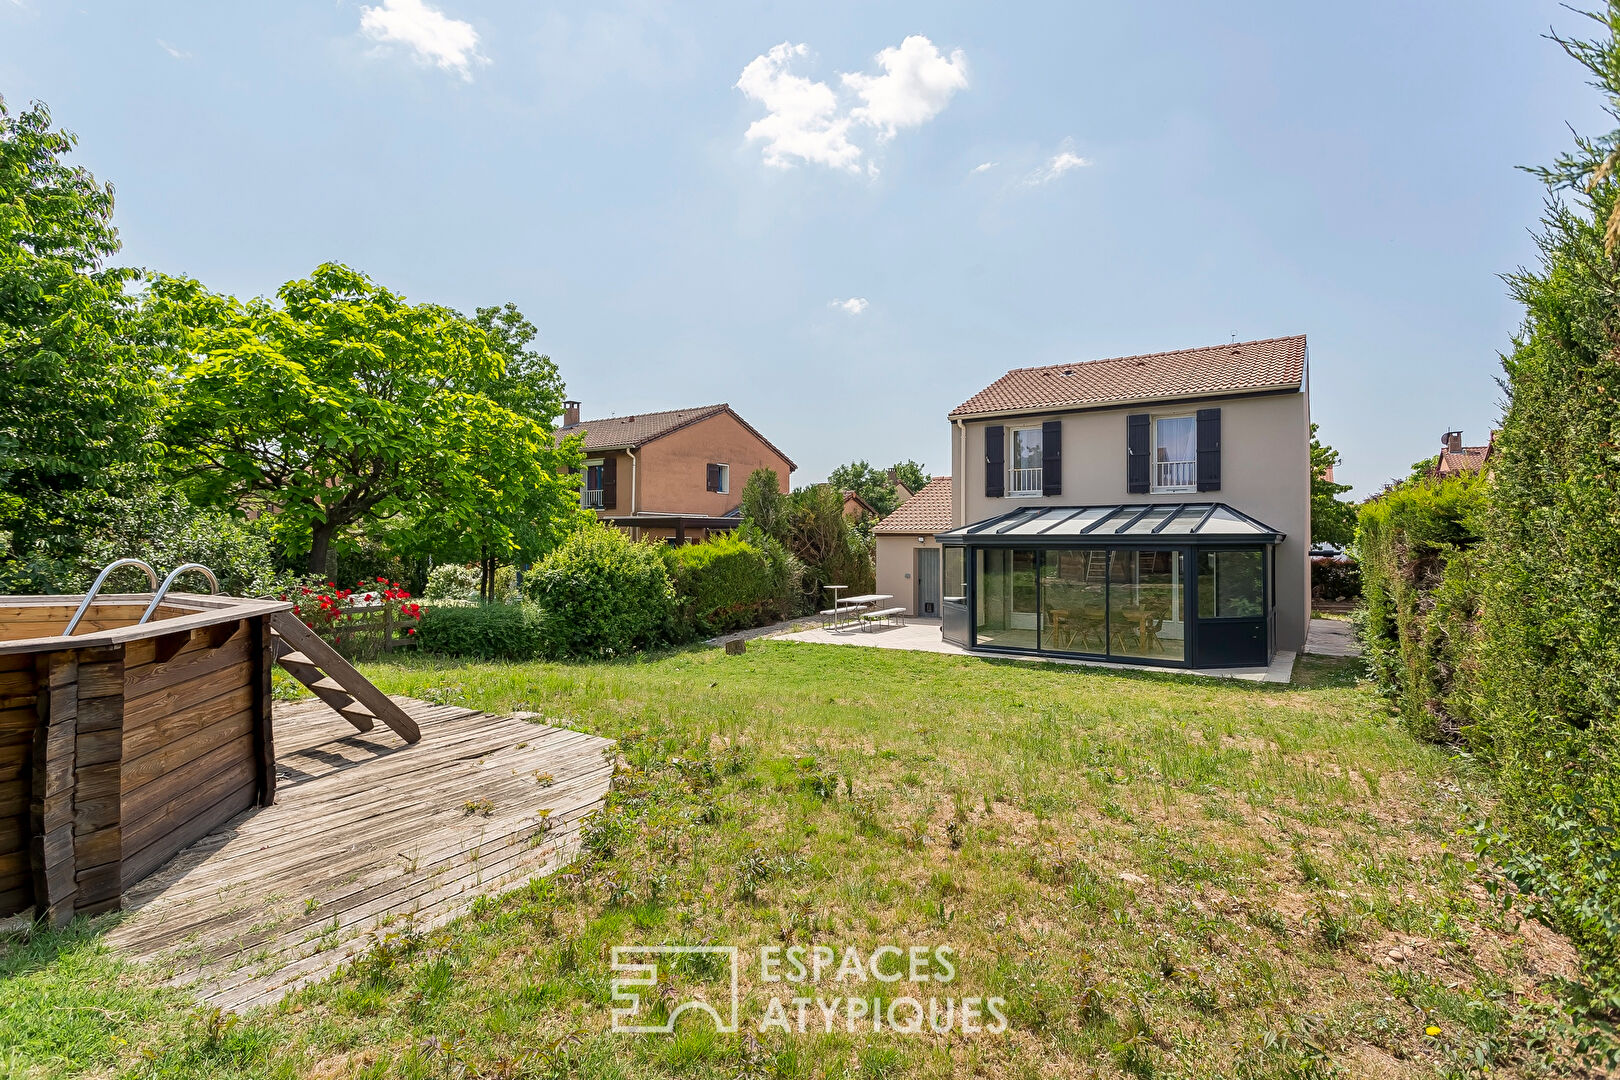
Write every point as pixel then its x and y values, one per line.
pixel 931 193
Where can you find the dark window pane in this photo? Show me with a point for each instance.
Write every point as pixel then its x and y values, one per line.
pixel 955 576
pixel 1231 584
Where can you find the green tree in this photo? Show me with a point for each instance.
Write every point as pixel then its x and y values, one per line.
pixel 343 407
pixel 874 485
pixel 764 507
pixel 509 525
pixel 76 385
pixel 1333 521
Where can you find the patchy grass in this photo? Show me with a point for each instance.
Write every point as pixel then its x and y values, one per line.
pixel 1161 875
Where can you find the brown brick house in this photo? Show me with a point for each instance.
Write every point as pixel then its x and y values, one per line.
pixel 676 474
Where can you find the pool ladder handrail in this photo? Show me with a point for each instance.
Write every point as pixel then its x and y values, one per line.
pixel 84 605
pixel 162 590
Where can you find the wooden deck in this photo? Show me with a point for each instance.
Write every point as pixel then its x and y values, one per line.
pixel 366 833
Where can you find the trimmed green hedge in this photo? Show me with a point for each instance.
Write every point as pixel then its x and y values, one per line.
pixel 481 631
pixel 1420 583
pixel 602 596
pixel 729 584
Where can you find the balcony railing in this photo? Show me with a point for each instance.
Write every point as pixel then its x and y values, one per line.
pixel 1024 482
pixel 591 498
pixel 1175 474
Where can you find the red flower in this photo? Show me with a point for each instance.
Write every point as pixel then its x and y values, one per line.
pixel 410 630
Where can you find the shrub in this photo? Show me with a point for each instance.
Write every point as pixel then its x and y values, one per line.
pixel 602 595
pixel 1335 578
pixel 482 631
pixel 1419 577
pixel 165 530
pixel 730 583
pixel 452 581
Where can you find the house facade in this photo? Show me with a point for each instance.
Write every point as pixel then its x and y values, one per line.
pixel 908 553
pixel 1150 509
pixel 675 475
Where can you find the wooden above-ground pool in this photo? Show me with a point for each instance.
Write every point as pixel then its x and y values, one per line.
pixel 123 743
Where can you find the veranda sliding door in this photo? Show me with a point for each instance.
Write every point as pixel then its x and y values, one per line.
pixel 1007 600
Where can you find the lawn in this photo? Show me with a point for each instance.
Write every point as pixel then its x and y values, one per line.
pixel 1159 875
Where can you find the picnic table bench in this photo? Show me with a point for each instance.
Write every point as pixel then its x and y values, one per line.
pixel 858 609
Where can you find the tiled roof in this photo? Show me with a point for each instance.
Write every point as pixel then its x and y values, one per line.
pixel 925 513
pixel 622 432
pixel 1468 459
pixel 1275 363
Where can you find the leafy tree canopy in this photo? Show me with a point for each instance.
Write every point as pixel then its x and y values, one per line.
pixel 343 406
pixel 76 387
pixel 874 485
pixel 1333 521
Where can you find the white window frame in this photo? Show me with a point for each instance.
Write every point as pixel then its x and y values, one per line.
pixel 1153 458
pixel 585 492
pixel 723 481
pixel 1035 475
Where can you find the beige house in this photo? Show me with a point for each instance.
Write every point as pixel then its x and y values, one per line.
pixel 1145 508
pixel 907 553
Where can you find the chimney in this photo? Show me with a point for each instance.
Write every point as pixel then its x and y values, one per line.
pixel 570 413
pixel 894 477
pixel 1451 442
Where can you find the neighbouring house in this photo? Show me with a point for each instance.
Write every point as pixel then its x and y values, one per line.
pixel 1147 509
pixel 855 507
pixel 1456 458
pixel 675 475
pixel 907 551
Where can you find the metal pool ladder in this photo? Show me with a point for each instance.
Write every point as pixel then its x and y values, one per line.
pixel 84 606
pixel 158 591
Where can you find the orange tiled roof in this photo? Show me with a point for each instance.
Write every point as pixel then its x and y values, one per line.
pixel 1271 364
pixel 1468 459
pixel 622 432
pixel 925 513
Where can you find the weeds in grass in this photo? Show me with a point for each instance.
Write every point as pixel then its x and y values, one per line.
pixel 479 807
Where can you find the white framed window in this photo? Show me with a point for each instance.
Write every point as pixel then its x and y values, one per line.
pixel 1024 466
pixel 723 479
pixel 590 496
pixel 1175 453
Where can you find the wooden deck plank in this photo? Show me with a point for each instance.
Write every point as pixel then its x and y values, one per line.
pixel 364 832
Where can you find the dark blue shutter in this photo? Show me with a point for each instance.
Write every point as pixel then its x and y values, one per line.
pixel 610 483
pixel 995 462
pixel 711 481
pixel 1209 449
pixel 1052 457
pixel 1136 453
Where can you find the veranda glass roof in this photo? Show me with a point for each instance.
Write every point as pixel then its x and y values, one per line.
pixel 1138 523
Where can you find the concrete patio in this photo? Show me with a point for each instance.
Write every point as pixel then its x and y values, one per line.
pixel 922 635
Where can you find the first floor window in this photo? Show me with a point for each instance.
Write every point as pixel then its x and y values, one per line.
pixel 1175 453
pixel 955 576
pixel 1025 470
pixel 723 479
pixel 591 497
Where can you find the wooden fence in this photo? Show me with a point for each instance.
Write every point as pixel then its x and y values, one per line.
pixel 369 630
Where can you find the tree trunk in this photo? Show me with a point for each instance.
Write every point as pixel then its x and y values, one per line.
pixel 320 546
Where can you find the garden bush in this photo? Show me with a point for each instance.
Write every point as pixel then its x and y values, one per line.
pixel 1420 582
pixel 452 581
pixel 602 595
pixel 1335 579
pixel 481 631
pixel 730 583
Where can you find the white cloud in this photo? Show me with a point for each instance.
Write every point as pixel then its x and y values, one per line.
pixel 854 305
pixel 178 54
pixel 449 44
pixel 916 85
pixel 1063 161
pixel 806 121
pixel 801 116
pixel 984 167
